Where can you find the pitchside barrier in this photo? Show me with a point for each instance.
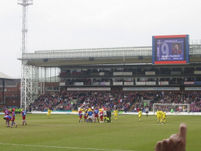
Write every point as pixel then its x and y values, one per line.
pixel 120 113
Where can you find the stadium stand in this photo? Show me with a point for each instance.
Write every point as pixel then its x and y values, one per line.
pixel 123 77
pixel 10 91
pixel 126 101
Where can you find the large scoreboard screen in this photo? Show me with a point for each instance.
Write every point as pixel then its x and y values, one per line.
pixel 172 49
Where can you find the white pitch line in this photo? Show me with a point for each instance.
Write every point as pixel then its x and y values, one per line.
pixel 64 147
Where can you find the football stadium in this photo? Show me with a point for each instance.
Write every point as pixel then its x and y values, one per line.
pixel 107 98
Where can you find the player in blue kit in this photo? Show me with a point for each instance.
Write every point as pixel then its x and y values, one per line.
pixel 13 118
pixel 96 111
pixel 6 112
pixel 7 118
pixel 90 115
pixel 80 112
pixel 24 118
pixel 85 115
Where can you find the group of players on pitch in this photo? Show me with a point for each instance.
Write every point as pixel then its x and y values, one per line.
pixel 86 114
pixel 9 116
pixel 101 115
pixel 95 114
pixel 160 115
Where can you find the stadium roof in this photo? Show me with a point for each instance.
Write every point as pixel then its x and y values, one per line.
pixel 95 56
pixel 4 76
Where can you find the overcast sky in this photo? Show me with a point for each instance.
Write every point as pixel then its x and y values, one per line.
pixel 65 24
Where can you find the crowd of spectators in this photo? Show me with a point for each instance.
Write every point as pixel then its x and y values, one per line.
pixel 124 101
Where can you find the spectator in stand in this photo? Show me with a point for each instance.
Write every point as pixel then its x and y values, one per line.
pixel 125 101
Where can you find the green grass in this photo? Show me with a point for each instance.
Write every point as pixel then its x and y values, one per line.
pixel 64 133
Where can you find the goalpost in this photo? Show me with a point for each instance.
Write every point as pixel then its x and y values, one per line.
pixel 168 107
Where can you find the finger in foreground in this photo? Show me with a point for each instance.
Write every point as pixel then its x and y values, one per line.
pixel 182 131
pixel 165 145
pixel 158 146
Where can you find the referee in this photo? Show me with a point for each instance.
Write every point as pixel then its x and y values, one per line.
pixel 108 115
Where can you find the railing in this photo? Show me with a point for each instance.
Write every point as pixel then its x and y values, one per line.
pixel 87 53
pixel 100 53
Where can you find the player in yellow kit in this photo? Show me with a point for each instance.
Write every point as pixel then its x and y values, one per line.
pixel 163 118
pixel 139 115
pixel 49 112
pixel 115 114
pixel 158 115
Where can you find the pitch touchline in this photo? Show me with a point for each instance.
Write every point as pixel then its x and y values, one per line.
pixel 64 147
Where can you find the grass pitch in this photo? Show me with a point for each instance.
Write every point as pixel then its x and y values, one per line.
pixel 64 133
